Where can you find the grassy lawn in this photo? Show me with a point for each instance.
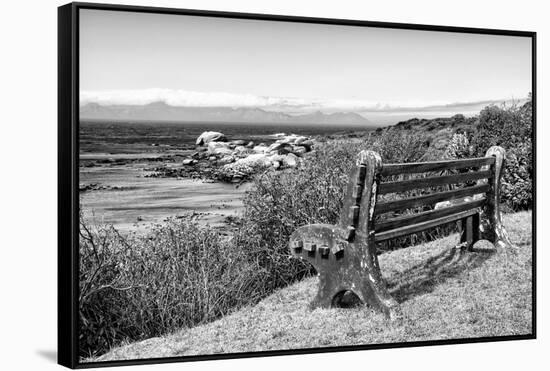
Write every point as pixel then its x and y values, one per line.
pixel 444 294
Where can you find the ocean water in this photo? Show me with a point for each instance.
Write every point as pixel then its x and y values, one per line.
pixel 139 137
pixel 130 200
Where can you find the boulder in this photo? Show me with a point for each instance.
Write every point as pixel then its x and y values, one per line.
pixel 299 150
pixel 223 151
pixel 292 139
pixel 290 160
pixel 306 143
pixel 260 149
pixel 279 148
pixel 189 161
pixel 219 148
pixel 241 151
pixel 226 160
pixel 257 159
pixel 250 144
pixel 275 157
pixel 238 142
pixel 210 136
pixel 300 140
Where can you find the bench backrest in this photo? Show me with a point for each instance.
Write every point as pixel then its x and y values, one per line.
pixel 472 182
pixel 473 197
pixel 345 254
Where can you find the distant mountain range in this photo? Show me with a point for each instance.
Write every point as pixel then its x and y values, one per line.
pixel 160 111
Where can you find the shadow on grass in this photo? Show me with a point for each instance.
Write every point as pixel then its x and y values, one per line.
pixel 423 278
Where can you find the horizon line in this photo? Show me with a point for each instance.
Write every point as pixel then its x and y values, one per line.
pixel 193 99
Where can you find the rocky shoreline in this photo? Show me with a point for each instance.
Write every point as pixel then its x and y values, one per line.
pixel 236 161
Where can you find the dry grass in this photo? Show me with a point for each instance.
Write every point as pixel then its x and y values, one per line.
pixel 444 294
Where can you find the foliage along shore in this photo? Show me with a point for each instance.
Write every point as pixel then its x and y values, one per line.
pixel 444 293
pixel 182 275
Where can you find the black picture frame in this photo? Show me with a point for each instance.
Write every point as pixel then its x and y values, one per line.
pixel 68 177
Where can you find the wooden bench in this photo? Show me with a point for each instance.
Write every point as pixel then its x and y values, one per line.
pixel 345 255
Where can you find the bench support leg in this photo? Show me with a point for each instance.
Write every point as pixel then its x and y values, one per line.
pixel 342 266
pixel 491 227
pixel 344 255
pixel 470 231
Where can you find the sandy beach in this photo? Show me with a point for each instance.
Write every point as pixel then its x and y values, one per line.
pixel 130 201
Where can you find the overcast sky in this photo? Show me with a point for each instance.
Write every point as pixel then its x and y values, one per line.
pixel 137 58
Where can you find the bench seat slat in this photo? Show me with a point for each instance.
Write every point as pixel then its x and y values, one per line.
pixel 406 185
pixel 407 203
pixel 414 228
pixel 427 215
pixel 422 167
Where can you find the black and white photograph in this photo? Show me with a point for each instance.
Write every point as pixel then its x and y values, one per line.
pixel 251 185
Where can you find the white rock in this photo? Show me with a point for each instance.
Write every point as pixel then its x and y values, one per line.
pixel 279 148
pixel 226 160
pixel 300 139
pixel 241 149
pixel 290 160
pixel 260 149
pixel 223 151
pixel 257 159
pixel 292 139
pixel 210 136
pixel 219 147
pixel 299 150
pixel 306 143
pixel 276 158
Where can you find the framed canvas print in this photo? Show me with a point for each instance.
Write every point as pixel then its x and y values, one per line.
pixel 236 185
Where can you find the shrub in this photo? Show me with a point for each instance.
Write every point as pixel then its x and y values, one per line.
pixel 517 181
pixel 511 128
pixel 458 147
pixel 279 202
pixel 399 146
pixel 138 286
pixel 180 274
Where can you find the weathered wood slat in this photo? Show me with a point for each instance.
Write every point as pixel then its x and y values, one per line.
pixel 407 203
pixel 422 167
pixel 406 185
pixel 427 215
pixel 414 228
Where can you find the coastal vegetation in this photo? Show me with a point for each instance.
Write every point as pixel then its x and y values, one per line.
pixel 181 274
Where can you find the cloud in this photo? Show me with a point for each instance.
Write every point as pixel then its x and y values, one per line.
pixel 187 98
